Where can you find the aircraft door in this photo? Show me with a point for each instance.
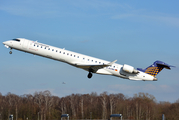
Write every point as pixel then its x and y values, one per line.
pixel 25 44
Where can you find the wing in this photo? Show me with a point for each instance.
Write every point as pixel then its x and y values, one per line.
pixel 93 68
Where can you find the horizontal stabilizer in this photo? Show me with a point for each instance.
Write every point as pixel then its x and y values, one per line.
pixel 164 65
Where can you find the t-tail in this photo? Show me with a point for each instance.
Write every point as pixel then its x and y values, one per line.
pixel 155 68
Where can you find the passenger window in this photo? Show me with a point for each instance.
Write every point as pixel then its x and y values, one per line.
pixel 74 55
pixel 52 49
pixel 60 52
pixel 41 46
pixel 45 48
pixel 34 44
pixel 67 53
pixel 95 61
pixel 49 49
pixel 71 54
pixel 56 50
pixel 78 57
pixel 63 52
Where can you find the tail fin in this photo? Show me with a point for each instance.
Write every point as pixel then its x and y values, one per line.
pixel 155 68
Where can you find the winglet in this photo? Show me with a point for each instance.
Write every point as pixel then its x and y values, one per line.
pixel 111 63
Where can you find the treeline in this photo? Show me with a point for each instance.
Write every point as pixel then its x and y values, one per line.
pixel 45 106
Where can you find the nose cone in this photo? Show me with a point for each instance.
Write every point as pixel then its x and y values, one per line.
pixel 5 43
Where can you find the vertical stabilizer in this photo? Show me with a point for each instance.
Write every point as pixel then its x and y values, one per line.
pixel 155 68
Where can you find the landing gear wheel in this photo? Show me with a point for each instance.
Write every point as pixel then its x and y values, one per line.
pixel 10 52
pixel 90 75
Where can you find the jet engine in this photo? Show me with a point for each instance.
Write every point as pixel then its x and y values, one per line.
pixel 129 69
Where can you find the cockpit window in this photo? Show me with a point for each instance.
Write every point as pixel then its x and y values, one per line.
pixel 16 40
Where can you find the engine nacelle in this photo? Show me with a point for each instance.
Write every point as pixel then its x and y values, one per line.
pixel 129 69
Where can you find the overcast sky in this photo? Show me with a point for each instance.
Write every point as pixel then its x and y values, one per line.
pixel 133 32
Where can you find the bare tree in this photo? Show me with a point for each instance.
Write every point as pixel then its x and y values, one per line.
pixel 81 104
pixel 104 104
pixel 1 106
pixel 10 101
pixel 111 102
pixel 39 100
pixel 62 105
pixel 48 101
pixel 16 103
pixel 72 103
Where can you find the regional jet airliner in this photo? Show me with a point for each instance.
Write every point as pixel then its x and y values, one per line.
pixel 90 64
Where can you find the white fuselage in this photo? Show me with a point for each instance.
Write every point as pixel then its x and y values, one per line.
pixel 74 59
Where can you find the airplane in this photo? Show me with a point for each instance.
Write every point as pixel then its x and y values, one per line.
pixel 88 63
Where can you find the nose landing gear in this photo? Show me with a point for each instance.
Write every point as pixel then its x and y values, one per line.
pixel 10 52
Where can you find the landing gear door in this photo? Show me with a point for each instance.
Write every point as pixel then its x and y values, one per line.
pixel 25 44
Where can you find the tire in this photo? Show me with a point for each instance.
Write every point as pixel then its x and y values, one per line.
pixel 90 75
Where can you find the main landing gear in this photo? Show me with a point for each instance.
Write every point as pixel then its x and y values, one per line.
pixel 90 75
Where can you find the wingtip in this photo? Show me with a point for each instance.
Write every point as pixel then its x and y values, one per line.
pixel 112 62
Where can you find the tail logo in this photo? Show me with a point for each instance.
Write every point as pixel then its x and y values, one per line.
pixel 153 70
